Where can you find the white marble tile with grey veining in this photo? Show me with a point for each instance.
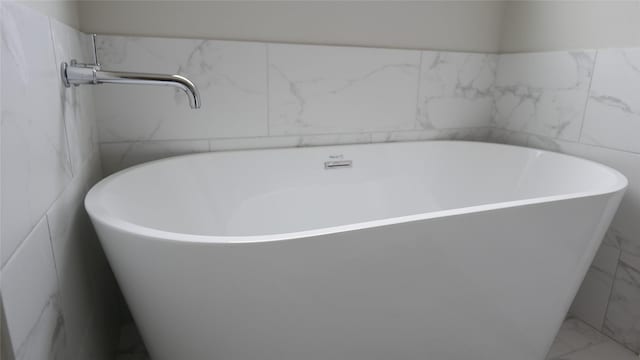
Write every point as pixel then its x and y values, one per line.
pixel 253 143
pixel 590 303
pixel 334 139
pixel 31 300
pixel 292 141
pixel 406 135
pixel 607 350
pixel 47 339
pixel 622 321
pixel 327 89
pixel 592 298
pixel 551 144
pixel 509 137
pixel 456 90
pixel 71 239
pixel 35 159
pixel 78 107
pixel 630 244
pixel 543 93
pixel 574 335
pixel 612 118
pixel 231 77
pixel 465 134
pixel 606 258
pixel 118 156
pixel 475 134
pixel 578 341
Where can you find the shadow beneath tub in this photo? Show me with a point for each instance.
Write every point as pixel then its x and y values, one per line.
pixel 130 345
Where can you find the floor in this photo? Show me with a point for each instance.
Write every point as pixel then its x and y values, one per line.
pixel 575 341
pixel 579 341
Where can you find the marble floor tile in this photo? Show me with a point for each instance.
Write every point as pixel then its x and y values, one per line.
pixel 575 341
pixel 578 341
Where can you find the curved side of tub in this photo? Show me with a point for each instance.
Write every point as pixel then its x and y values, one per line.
pixel 489 284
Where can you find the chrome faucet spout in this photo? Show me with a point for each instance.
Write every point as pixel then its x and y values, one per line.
pixel 78 74
pixel 131 78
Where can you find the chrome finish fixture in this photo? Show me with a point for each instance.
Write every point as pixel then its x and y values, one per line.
pixel 76 74
pixel 341 164
pixel 95 49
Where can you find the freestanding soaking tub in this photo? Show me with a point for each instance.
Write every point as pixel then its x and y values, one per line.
pixel 430 251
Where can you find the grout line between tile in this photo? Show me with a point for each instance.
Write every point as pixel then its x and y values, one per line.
pixel 613 282
pixel 35 225
pixel 569 141
pixel 45 214
pixel 616 341
pixel 586 103
pixel 53 258
pixel 268 92
pixel 605 339
pixel 364 133
pixel 416 120
pixel 62 94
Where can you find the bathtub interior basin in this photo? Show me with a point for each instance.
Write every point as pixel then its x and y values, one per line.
pixel 247 196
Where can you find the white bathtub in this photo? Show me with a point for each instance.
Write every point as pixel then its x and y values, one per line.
pixel 430 251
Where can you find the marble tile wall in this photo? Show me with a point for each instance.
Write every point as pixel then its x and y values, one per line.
pixel 258 95
pixel 57 289
pixel 587 104
pixel 543 93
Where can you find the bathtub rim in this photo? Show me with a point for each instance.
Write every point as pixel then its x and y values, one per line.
pixel 99 213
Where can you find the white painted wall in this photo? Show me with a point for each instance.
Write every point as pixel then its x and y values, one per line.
pixel 443 25
pixel 65 11
pixel 563 25
pixel 480 25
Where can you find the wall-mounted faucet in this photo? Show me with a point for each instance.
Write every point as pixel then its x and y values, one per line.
pixel 78 74
pixel 73 73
